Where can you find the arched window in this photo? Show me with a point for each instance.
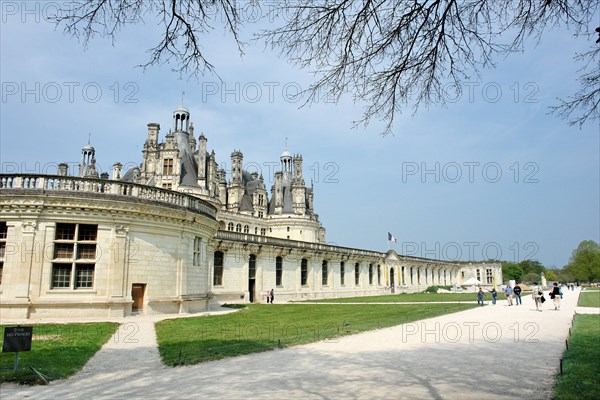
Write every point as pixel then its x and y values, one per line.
pixel 238 228
pixel 252 267
pixel 218 269
pixel 278 271
pixel 324 273
pixel 246 229
pixel 303 272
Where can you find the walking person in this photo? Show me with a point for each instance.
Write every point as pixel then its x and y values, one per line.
pixel 272 295
pixel 480 297
pixel 517 292
pixel 556 295
pixel 508 291
pixel 494 295
pixel 537 295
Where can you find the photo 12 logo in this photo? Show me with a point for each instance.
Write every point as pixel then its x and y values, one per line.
pixel 69 92
pixel 469 171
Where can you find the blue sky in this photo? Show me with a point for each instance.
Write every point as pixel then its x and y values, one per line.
pixel 490 175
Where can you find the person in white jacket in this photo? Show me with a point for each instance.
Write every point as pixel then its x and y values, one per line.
pixel 537 296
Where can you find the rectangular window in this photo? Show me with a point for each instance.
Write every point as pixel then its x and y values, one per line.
pixel 84 276
pixel 370 274
pixel 478 275
pixel 252 267
pixel 61 275
pixel 303 272
pixel 278 271
pixel 324 273
pixel 197 259
pixel 3 235
pixel 168 166
pixel 74 256
pixel 356 274
pixel 489 277
pixel 167 186
pixel 342 273
pixel 218 269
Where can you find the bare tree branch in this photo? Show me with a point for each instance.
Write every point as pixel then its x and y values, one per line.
pixel 389 54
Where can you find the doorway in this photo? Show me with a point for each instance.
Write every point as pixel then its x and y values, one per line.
pixel 137 294
pixel 392 283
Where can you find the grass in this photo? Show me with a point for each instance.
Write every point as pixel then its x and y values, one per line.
pixel 412 297
pixel 262 327
pixel 57 351
pixel 581 367
pixel 589 299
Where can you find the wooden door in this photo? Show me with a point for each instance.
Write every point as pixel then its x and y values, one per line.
pixel 137 294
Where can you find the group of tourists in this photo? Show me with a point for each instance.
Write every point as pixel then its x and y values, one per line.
pixel 537 294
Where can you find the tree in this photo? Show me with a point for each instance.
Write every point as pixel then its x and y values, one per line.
pixel 387 53
pixel 512 271
pixel 532 267
pixel 584 263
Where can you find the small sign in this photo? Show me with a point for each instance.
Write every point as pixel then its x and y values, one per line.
pixel 17 338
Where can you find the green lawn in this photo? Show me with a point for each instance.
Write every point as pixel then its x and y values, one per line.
pixel 589 299
pixel 412 297
pixel 57 351
pixel 581 365
pixel 262 327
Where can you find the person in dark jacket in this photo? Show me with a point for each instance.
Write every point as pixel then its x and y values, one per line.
pixel 517 292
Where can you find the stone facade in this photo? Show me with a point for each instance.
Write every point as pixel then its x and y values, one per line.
pixel 173 234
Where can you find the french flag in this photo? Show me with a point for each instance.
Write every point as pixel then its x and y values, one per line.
pixel 391 238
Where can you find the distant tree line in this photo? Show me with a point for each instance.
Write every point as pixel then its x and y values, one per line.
pixel 583 267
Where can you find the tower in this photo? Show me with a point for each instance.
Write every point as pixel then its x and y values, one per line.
pixel 236 186
pixel 202 161
pixel 87 166
pixel 298 189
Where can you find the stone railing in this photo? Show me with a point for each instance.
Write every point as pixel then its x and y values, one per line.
pixel 295 244
pixel 104 186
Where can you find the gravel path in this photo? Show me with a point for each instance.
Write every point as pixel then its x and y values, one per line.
pixel 488 351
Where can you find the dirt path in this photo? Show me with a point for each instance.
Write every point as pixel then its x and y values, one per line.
pixel 488 351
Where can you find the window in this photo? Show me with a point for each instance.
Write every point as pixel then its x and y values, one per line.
pixel 288 228
pixel 238 228
pixel 230 226
pixel 411 275
pixel 303 272
pixel 261 200
pixel 218 269
pixel 370 274
pixel 3 235
pixel 168 166
pixel 278 270
pixel 256 230
pixel 197 251
pixel 74 256
pixel 478 275
pixel 403 282
pixel 357 274
pixel 168 186
pixel 342 273
pixel 260 214
pixel 489 276
pixel 418 276
pixel 379 275
pixel 246 229
pixel 263 231
pixel 324 273
pixel 252 267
